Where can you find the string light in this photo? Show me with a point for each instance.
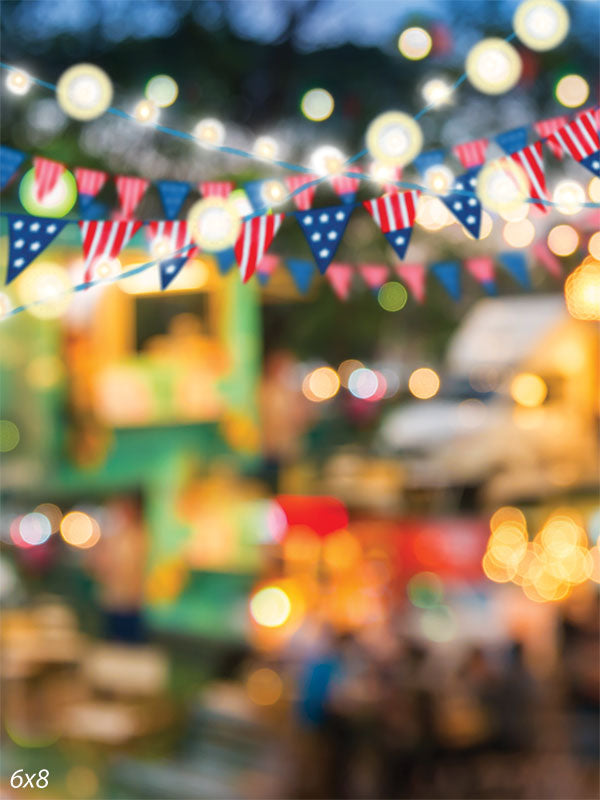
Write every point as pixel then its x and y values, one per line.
pixel 214 223
pixel 266 147
pixel 162 90
pixel 493 66
pixel 327 160
pixel 84 91
pixel 18 82
pixel 502 185
pixel 109 267
pixel 317 105
pixel 439 178
pixel 146 112
pixel 210 131
pixel 55 203
pixel 424 383
pixel 45 287
pixel 572 91
pixel 394 138
pixel 436 92
pixel 541 24
pixel 414 43
pixel 569 196
pixel 563 240
pixel 273 193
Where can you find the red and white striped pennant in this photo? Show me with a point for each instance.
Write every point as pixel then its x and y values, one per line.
pixel 90 181
pixel 254 240
pixel 546 127
pixel 216 188
pixel 471 154
pixel 344 184
pixel 104 239
pixel 530 159
pixel 580 137
pixel 392 212
pixel 129 192
pixel 302 200
pixel 46 175
pixel 175 233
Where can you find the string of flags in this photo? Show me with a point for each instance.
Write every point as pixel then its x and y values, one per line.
pixel 577 138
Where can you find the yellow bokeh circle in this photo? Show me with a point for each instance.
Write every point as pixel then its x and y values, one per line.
pixel 502 186
pixel 493 66
pixel 541 24
pixel 394 138
pixel 214 223
pixel 84 91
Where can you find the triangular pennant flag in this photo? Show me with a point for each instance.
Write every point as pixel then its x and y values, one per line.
pixel 104 239
pixel 482 269
pixel 340 279
pixel 580 140
pixel 254 240
pixel 265 268
pixel 90 208
pixel 471 154
pixel 324 228
pixel 129 192
pixel 374 275
pixel 46 176
pixel 171 235
pixel 516 264
pixel 395 214
pixel 253 191
pixel 466 208
pixel 530 159
pixel 302 200
pixel 346 186
pixel 10 161
pixel 28 237
pixel 302 272
pixel 448 274
pixel 430 158
pixel 90 181
pixel 172 195
pixel 216 188
pixel 513 140
pixel 546 127
pixel 413 275
pixel 225 260
pixel 548 259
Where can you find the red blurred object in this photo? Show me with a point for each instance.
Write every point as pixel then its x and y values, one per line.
pixel 323 515
pixel 531 67
pixel 441 39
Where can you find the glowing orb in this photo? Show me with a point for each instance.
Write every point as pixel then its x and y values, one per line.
pixel 18 81
pixel 35 528
pixel 146 112
pixel 214 223
pixel 517 214
pixel 439 178
pixel 394 138
pixel 52 513
pixel 317 105
pixel 528 390
pixel 56 203
pixel 264 687
pixel 519 234
pixel 414 43
pixel 502 185
pixel 266 147
pixel 541 24
pixel 424 383
pixel 436 92
pixel 270 607
pixel 327 160
pixel 47 287
pixel 594 190
pixel 392 296
pixel 582 290
pixel 84 91
pixel 569 196
pixel 79 530
pixel 493 66
pixel 9 436
pixel 432 214
pixel 321 384
pixel 273 193
pixel 563 240
pixel 107 267
pixel 162 90
pixel 572 91
pixel 363 383
pixel 210 132
pixel 594 246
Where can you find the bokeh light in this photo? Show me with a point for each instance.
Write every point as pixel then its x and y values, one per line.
pixel 528 390
pixel 594 190
pixel 18 81
pixel 563 240
pixel 582 290
pixel 270 607
pixel 47 288
pixel 45 372
pixel 346 368
pixel 594 245
pixel 79 529
pixel 341 551
pixel 327 160
pixel 541 24
pixel 439 178
pixel 493 66
pixel 519 234
pixel 392 296
pixel 273 192
pixel 502 186
pixel 52 513
pixel 569 196
pixel 35 528
pixel 394 138
pixel 438 624
pixel 317 105
pixel 363 383
pixel 214 223
pixel 162 90
pixel 9 435
pixel 84 91
pixel 321 384
pixel 264 687
pixel 266 147
pixel 146 112
pixel 210 131
pixel 436 92
pixel 432 214
pixel 425 590
pixel 508 514
pixel 487 226
pixel 572 91
pixel 424 383
pixel 414 43
pixel 82 782
pixel 56 203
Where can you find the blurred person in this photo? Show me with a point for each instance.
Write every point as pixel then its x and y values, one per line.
pixel 513 703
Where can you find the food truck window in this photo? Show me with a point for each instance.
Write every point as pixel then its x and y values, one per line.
pixel 156 315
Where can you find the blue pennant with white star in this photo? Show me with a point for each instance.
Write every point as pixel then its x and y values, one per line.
pixel 28 237
pixel 10 161
pixel 170 269
pixel 324 228
pixel 466 209
pixel 399 240
pixel 172 195
pixel 592 163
